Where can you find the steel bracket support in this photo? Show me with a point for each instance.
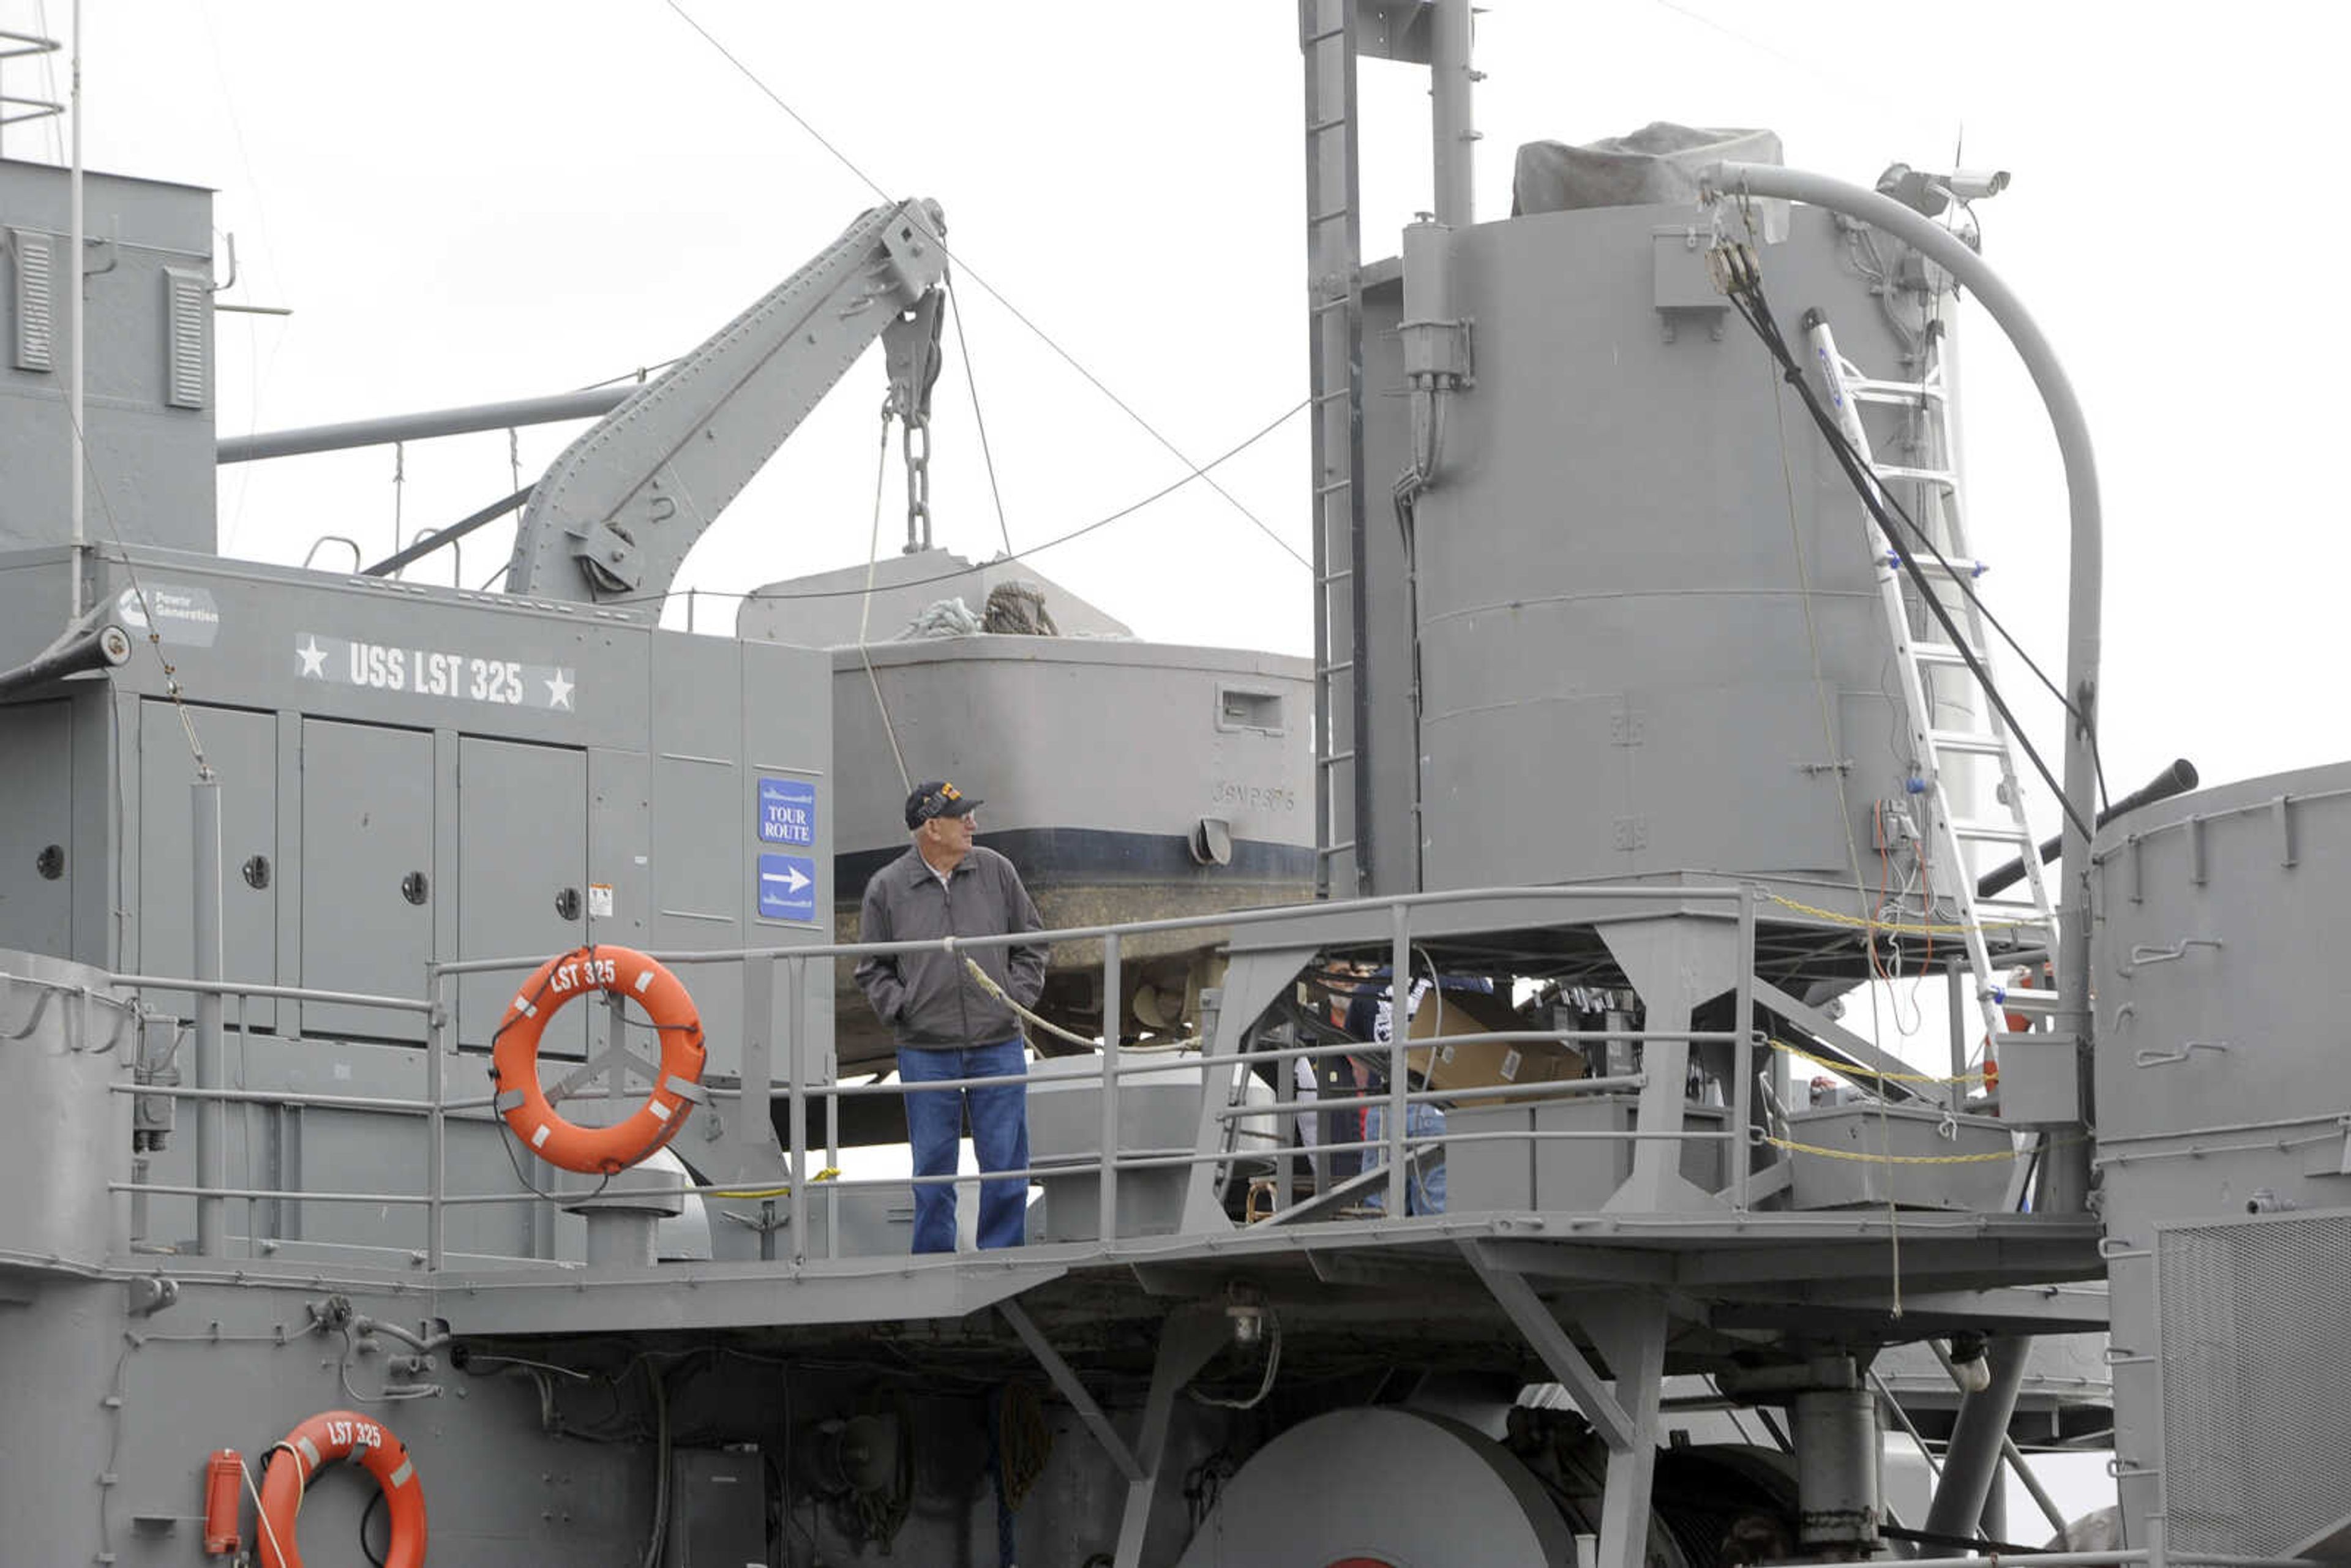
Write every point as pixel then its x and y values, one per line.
pixel 1543 1335
pixel 1072 1389
pixel 1841 1041
pixel 1396 30
pixel 755 1128
pixel 1192 1334
pixel 2008 1450
pixel 1630 1332
pixel 754 1159
pixel 1252 982
pixel 1971 1458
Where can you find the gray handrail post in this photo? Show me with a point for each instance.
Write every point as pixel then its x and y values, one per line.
pixel 212 1144
pixel 1740 1152
pixel 1399 1075
pixel 436 1046
pixel 1956 984
pixel 244 1115
pixel 1285 1107
pixel 1111 1023
pixel 832 1157
pixel 755 1121
pixel 796 1058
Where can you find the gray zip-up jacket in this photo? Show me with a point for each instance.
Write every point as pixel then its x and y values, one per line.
pixel 929 1000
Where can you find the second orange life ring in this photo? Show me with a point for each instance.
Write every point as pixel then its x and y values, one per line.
pixel 2027 979
pixel 514 1060
pixel 333 1435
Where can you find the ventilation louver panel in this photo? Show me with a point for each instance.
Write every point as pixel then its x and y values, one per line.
pixel 2256 1322
pixel 35 317
pixel 188 302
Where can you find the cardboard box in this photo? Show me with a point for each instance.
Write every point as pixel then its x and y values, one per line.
pixel 1480 1064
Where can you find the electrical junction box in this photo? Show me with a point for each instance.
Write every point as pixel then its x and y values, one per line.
pixel 2040 1078
pixel 1891 826
pixel 718 1509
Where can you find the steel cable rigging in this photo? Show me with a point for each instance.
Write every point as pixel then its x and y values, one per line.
pixel 1742 281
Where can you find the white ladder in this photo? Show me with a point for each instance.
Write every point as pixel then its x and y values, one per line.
pixel 1943 837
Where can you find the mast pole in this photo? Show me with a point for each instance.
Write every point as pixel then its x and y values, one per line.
pixel 1455 135
pixel 74 327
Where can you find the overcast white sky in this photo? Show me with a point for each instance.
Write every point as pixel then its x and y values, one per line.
pixel 471 202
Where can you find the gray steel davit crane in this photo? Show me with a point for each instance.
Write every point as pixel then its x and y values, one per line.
pixel 616 512
pixel 614 516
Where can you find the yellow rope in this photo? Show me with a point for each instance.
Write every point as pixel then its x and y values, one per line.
pixel 1910 928
pixel 1867 1158
pixel 1858 1072
pixel 830 1173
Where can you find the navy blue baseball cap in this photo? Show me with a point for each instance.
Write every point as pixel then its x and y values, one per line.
pixel 937 798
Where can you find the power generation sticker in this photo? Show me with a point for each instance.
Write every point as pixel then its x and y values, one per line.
pixel 187 616
pixel 434 672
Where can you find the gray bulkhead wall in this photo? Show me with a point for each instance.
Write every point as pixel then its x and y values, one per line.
pixel 2221 1111
pixel 112 1412
pixel 119 1389
pixel 372 822
pixel 148 391
pixel 144 1400
pixel 1618 673
pixel 58 755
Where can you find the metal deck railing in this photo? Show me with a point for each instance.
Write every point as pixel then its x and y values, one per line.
pixel 780 1065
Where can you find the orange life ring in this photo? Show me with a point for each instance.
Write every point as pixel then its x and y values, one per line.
pixel 514 1060
pixel 334 1434
pixel 2025 979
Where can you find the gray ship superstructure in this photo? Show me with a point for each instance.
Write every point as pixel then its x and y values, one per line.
pixel 1652 710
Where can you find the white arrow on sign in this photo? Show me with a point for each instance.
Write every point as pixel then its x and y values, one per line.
pixel 792 876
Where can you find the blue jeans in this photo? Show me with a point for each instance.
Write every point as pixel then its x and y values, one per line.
pixel 1423 1194
pixel 999 1134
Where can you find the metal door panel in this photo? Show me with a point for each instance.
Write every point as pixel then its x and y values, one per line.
pixel 367 862
pixel 37 783
pixel 522 843
pixel 242 747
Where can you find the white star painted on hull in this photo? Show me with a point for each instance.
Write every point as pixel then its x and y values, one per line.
pixel 559 690
pixel 314 659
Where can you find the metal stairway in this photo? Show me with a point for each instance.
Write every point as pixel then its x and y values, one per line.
pixel 1944 837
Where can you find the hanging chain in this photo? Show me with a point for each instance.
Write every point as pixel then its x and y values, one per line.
pixel 915 436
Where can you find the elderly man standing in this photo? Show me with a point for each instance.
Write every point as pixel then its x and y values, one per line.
pixel 949 1025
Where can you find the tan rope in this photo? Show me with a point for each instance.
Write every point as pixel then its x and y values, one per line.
pixel 1865 1157
pixel 1912 927
pixel 1858 1072
pixel 987 984
pixel 830 1173
pixel 865 605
